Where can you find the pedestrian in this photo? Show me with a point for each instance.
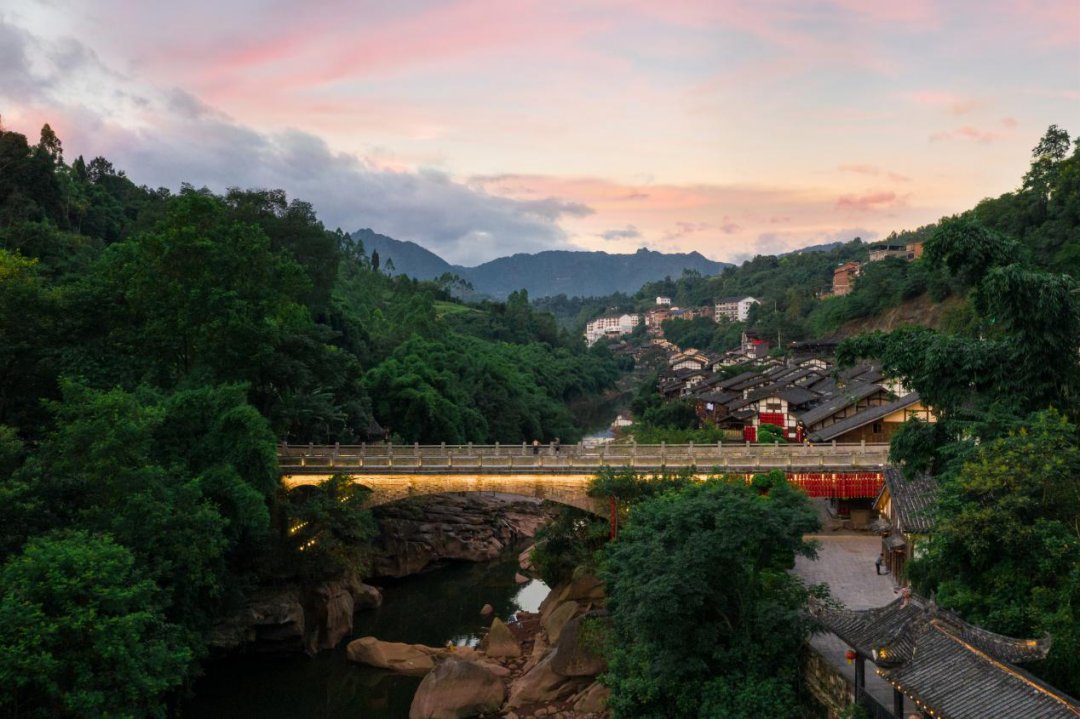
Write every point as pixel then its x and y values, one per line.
pixel 877 563
pixel 556 445
pixel 536 446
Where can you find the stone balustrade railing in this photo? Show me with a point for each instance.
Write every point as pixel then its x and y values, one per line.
pixel 724 455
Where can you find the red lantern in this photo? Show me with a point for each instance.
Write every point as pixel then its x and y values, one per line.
pixel 850 656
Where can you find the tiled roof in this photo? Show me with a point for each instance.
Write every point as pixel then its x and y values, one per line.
pixel 842 399
pixel 715 397
pixel 868 415
pixel 913 500
pixel 797 395
pixel 955 669
pixel 738 379
pixel 862 372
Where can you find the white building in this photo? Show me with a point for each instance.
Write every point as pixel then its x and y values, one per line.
pixel 610 326
pixel 663 301
pixel 733 309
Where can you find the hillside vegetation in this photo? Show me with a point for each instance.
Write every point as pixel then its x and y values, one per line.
pixel 154 348
pixel 1041 218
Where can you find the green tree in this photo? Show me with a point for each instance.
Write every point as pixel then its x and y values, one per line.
pixel 1004 551
pixel 82 633
pixel 707 619
pixel 27 361
pixel 567 543
pixel 327 528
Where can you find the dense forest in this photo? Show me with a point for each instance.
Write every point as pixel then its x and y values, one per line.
pixel 154 349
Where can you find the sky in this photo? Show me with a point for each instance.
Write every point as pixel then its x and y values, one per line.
pixel 481 128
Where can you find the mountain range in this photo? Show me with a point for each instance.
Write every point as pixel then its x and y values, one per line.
pixel 553 272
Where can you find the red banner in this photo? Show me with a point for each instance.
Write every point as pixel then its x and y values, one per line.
pixel 838 485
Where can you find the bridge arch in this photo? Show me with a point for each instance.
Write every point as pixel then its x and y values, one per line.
pixel 568 489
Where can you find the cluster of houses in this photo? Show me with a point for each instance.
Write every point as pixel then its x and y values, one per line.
pixel 726 309
pixel 844 275
pixel 805 400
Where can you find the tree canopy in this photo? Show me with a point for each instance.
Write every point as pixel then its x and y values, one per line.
pixel 706 617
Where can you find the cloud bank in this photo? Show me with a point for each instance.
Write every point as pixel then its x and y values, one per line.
pixel 164 138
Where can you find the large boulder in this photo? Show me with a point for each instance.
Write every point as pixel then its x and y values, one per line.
pixel 585 588
pixel 593 700
pixel 553 624
pixel 456 689
pixel 541 685
pixel 329 617
pixel 366 596
pixel 574 656
pixel 412 659
pixel 500 641
pixel 525 558
pixel 271 621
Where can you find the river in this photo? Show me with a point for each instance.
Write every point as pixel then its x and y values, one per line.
pixel 433 608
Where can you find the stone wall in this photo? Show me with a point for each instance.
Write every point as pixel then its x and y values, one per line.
pixel 831 688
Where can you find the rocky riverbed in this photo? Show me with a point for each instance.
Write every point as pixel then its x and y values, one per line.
pixel 414 536
pixel 542 664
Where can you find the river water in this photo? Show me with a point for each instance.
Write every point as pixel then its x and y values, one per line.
pixel 432 608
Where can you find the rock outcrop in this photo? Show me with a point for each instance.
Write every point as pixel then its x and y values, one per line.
pixel 540 685
pixel 328 617
pixel 365 596
pixel 271 621
pixel 554 622
pixel 411 659
pixel 456 689
pixel 500 642
pixel 287 619
pixel 418 533
pixel 574 654
pixel 593 699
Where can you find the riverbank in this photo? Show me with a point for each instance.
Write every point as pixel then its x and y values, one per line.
pixel 541 664
pixel 431 608
pixel 437 561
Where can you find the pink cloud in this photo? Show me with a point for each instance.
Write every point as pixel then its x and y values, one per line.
pixel 967 133
pixel 1055 22
pixel 868 201
pixel 874 171
pixel 954 104
pixel 922 14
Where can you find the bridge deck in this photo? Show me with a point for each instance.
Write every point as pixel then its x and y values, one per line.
pixel 574 459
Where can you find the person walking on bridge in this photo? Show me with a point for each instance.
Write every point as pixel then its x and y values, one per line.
pixel 536 446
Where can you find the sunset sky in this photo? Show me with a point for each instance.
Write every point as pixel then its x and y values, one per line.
pixel 480 128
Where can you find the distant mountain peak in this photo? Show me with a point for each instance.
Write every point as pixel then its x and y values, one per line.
pixel 550 272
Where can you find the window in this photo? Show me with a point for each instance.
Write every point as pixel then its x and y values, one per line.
pixel 878 428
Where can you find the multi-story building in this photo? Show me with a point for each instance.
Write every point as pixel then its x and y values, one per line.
pixel 733 309
pixel 610 326
pixel 663 301
pixel 656 316
pixel 844 278
pixel 885 251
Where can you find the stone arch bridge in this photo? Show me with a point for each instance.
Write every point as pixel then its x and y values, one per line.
pixel 395 472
